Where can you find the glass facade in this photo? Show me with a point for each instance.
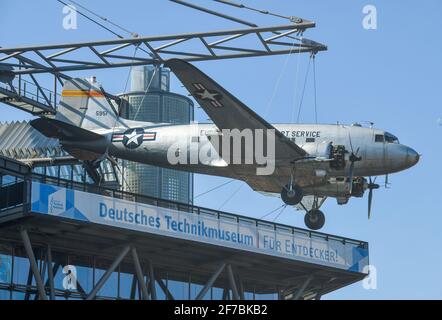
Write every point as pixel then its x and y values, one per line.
pixel 17 281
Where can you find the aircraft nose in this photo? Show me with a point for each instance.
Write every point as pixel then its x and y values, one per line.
pixel 402 157
pixel 412 157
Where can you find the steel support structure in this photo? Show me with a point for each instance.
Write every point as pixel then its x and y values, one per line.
pixel 210 282
pixel 33 264
pixel 30 96
pixel 153 290
pixel 140 276
pixel 50 273
pixel 232 283
pixel 108 273
pixel 301 290
pixel 56 59
pixel 169 295
pixel 237 289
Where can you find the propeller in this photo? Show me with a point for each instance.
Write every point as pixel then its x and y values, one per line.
pixel 371 186
pixel 353 158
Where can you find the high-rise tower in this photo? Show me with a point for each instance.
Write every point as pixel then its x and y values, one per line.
pixel 150 100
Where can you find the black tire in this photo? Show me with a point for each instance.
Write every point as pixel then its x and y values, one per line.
pixel 292 196
pixel 314 219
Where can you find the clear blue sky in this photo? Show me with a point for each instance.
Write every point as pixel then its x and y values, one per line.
pixel 391 76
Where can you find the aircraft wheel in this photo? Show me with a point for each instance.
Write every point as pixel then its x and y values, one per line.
pixel 314 219
pixel 291 196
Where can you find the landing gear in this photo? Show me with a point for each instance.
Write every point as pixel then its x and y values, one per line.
pixel 291 194
pixel 314 219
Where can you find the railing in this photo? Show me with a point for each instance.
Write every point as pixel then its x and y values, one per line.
pixel 30 90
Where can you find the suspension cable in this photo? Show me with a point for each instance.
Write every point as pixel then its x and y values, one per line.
pixel 215 188
pixel 92 20
pixel 231 196
pixel 269 213
pixel 242 6
pixel 303 90
pixel 278 80
pixel 145 91
pixel 133 34
pixel 314 87
pixel 295 92
pixel 280 212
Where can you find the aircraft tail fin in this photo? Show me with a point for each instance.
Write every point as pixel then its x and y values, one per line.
pixel 84 104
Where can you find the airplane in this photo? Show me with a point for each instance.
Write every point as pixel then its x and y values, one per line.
pixel 310 162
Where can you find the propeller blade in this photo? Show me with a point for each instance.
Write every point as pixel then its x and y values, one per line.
pixel 370 199
pixel 353 158
pixel 351 144
pixel 371 186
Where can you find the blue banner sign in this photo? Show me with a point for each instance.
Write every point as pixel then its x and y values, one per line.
pixel 222 230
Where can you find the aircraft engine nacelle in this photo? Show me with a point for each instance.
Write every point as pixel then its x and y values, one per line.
pixel 340 188
pixel 337 155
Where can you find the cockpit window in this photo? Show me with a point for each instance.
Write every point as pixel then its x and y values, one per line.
pixel 379 138
pixel 391 138
pixel 387 137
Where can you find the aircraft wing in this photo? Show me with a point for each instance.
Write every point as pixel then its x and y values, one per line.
pixel 226 111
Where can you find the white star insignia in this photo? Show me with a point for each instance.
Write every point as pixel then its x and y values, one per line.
pixel 133 137
pixel 206 95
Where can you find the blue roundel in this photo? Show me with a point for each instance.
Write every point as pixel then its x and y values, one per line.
pixel 133 138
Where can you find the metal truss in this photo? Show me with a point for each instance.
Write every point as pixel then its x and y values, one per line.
pixel 215 45
pixel 147 289
pixel 146 292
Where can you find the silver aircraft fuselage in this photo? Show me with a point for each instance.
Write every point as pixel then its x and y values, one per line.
pixel 380 152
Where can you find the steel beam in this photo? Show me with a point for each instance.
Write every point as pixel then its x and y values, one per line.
pixel 163 287
pixel 104 57
pixel 302 26
pixel 240 288
pixel 50 273
pixel 139 274
pixel 108 273
pixel 133 287
pixel 33 264
pixel 304 286
pixel 232 283
pixel 211 281
pixel 153 290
